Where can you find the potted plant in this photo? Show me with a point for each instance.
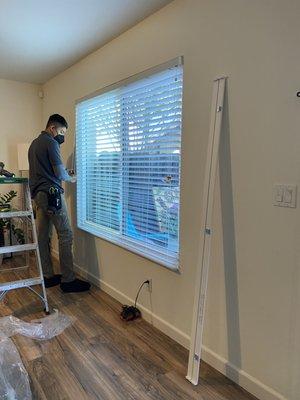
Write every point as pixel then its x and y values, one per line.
pixel 6 224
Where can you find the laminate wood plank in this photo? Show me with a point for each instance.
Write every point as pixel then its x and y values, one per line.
pixel 41 371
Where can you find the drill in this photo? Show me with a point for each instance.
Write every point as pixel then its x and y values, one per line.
pixel 5 173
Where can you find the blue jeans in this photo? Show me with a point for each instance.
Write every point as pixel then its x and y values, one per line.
pixel 44 223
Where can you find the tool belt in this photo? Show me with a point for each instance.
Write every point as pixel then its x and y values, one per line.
pixel 54 200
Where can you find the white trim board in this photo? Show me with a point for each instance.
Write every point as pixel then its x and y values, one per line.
pixel 239 376
pixel 203 263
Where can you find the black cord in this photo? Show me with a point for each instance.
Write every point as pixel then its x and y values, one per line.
pixel 147 281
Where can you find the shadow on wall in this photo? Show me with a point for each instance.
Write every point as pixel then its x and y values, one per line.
pixel 229 247
pixel 85 251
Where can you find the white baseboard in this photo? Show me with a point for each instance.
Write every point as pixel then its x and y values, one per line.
pixel 155 320
pixel 170 330
pixel 241 377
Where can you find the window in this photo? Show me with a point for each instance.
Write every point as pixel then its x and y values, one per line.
pixel 128 141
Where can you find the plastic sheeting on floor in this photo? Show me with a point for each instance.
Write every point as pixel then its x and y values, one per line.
pixel 14 380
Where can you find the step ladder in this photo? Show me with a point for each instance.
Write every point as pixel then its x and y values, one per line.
pixel 27 212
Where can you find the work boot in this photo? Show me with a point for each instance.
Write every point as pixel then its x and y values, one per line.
pixel 52 281
pixel 75 286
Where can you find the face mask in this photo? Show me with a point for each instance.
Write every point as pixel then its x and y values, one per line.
pixel 59 138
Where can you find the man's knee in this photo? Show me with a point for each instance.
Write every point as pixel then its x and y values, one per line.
pixel 65 236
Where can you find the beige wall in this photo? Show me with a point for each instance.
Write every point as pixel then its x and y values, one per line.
pixel 20 116
pixel 252 328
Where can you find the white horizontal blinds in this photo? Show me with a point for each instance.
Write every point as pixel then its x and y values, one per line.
pixel 98 161
pixel 128 162
pixel 151 162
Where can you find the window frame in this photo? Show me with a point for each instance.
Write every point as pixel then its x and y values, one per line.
pixel 116 238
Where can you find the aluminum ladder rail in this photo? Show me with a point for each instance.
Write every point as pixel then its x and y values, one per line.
pixel 28 213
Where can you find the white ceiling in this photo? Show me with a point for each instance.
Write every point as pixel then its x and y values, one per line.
pixel 40 38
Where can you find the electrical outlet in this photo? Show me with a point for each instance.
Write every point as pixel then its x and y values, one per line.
pixel 149 285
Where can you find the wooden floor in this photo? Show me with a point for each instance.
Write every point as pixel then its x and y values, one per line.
pixel 102 357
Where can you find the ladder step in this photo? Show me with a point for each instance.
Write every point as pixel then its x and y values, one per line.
pixel 13 180
pixel 12 214
pixel 19 247
pixel 20 284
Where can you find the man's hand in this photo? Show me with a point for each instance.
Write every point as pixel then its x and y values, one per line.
pixel 71 173
pixel 63 174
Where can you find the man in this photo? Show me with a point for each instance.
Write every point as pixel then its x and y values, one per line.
pixel 46 173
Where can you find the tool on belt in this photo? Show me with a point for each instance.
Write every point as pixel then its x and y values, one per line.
pixel 54 200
